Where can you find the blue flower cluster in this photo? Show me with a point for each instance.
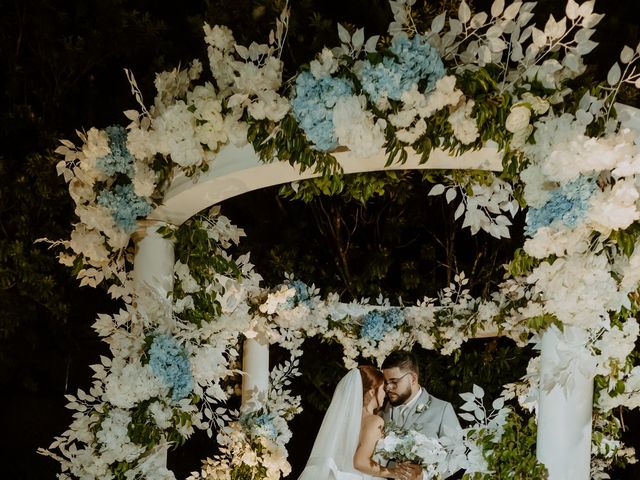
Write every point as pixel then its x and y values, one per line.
pixel 568 204
pixel 126 207
pixel 313 105
pixel 265 425
pixel 120 159
pixel 417 63
pixel 301 296
pixel 169 361
pixel 377 323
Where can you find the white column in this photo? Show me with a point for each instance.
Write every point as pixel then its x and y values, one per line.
pixel 153 269
pixel 255 365
pixel 564 415
pixel 154 259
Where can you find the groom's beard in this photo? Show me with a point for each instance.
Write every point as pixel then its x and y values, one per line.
pixel 398 398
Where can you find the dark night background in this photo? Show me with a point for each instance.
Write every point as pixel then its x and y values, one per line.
pixel 61 69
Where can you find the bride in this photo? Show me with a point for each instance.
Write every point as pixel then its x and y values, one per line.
pixel 347 438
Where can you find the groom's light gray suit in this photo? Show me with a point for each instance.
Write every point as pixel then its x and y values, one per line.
pixel 428 415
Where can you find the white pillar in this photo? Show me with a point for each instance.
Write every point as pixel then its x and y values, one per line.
pixel 255 364
pixel 154 259
pixel 153 269
pixel 564 415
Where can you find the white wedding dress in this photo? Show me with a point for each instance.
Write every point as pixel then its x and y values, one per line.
pixel 332 453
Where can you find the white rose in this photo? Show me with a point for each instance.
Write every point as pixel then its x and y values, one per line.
pixel 518 118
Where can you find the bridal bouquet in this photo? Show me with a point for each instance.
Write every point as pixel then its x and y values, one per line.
pixel 410 446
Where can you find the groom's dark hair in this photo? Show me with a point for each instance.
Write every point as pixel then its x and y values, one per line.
pixel 402 359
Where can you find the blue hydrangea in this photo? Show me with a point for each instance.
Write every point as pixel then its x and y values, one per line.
pixel 313 105
pixel 120 159
pixel 568 204
pixel 301 295
pixel 377 323
pixel 265 427
pixel 169 361
pixel 417 63
pixel 126 207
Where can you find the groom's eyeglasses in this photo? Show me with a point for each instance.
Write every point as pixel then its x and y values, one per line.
pixel 393 383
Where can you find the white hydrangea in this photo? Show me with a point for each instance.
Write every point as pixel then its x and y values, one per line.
pixel 130 383
pixel 534 182
pixel 355 126
pixel 325 64
pixel 89 243
pixel 183 274
pixel 95 146
pixel 207 107
pixel 615 208
pixel 144 179
pixel 177 131
pixel 113 438
pixel 615 345
pixel 161 414
pixel 463 124
pixel 559 242
pixel 208 364
pixel 578 289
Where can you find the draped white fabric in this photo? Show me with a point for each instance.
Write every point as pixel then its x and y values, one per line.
pixel 332 453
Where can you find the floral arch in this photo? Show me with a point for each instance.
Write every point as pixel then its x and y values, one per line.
pixel 473 87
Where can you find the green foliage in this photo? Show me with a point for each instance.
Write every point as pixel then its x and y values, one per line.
pixel 522 263
pixel 288 143
pixel 196 248
pixel 514 455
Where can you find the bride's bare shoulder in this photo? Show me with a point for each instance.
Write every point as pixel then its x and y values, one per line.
pixel 372 422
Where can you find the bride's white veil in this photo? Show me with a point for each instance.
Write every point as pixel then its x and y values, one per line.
pixel 332 454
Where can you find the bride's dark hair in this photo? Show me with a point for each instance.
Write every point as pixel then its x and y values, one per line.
pixel 371 377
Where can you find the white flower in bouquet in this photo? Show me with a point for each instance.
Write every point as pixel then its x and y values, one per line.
pixel 411 446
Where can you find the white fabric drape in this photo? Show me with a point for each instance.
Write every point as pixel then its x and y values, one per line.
pixel 332 453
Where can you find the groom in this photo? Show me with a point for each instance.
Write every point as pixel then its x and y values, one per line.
pixel 410 406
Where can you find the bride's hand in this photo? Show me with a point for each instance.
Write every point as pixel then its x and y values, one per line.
pixel 402 471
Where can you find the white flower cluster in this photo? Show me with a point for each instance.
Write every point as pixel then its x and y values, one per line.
pixel 259 437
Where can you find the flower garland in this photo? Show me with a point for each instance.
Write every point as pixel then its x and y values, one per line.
pixel 487 78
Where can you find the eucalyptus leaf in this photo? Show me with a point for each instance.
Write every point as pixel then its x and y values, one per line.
pixel 371 44
pixel 451 194
pixel 464 12
pixel 478 391
pixel 479 19
pixel 585 47
pixel 626 55
pixel 437 24
pixel 613 77
pixel 512 11
pixel 497 7
pixel 358 38
pixel 436 190
pixel 467 416
pixel 343 34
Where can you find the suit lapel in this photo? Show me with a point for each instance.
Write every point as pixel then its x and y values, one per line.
pixel 413 414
